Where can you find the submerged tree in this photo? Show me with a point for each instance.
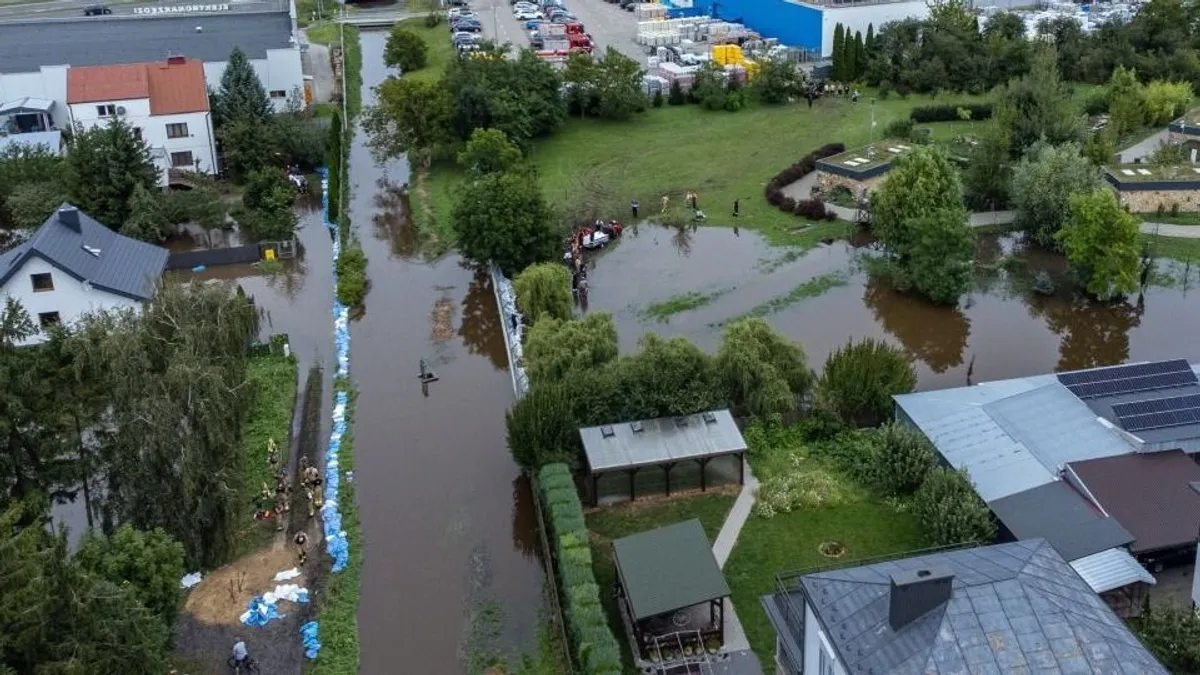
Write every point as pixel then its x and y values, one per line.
pixel 1043 184
pixel 1101 241
pixel 544 291
pixel 557 350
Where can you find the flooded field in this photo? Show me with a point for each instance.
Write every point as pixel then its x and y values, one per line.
pixel 447 526
pixel 822 298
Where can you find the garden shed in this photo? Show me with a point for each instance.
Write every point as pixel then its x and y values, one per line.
pixel 683 451
pixel 671 591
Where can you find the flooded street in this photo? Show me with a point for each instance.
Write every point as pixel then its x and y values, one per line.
pixel 1001 327
pixel 445 524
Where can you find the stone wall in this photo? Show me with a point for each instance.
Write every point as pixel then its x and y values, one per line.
pixel 1148 201
pixel 827 181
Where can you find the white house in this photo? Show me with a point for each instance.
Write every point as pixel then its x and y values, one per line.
pixel 166 103
pixel 37 56
pixel 74 265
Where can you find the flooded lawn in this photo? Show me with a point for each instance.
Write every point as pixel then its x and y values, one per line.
pixel 446 524
pixel 822 298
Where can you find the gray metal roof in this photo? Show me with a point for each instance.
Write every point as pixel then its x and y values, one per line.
pixel 667 439
pixel 1015 607
pixel 1110 569
pixel 998 465
pixel 114 263
pixel 1060 515
pixel 668 569
pixel 1056 427
pixel 92 42
pixel 26 105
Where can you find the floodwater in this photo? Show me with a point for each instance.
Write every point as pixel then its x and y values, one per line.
pixel 446 523
pixel 1000 329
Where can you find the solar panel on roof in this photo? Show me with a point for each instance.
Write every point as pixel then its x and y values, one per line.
pixel 1129 379
pixel 1160 413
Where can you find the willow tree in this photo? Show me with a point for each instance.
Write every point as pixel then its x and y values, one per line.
pixel 544 290
pixel 175 376
pixel 762 371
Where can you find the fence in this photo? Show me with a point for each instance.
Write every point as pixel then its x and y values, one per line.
pixel 233 255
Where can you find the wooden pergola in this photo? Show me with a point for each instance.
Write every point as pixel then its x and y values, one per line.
pixel 669 585
pixel 661 443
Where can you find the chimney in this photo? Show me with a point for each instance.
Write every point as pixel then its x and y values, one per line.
pixel 176 60
pixel 917 592
pixel 69 215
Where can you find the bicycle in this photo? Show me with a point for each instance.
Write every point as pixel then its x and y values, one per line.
pixel 248 667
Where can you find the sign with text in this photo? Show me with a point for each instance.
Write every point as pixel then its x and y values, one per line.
pixel 180 9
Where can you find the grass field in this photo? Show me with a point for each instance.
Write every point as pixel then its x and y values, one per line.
pixel 613 522
pixel 1172 218
pixel 1183 250
pixel 273 380
pixel 671 150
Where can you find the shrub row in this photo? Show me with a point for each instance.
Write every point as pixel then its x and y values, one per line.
pixel 334 154
pixel 948 112
pixel 795 172
pixel 595 648
pixel 352 275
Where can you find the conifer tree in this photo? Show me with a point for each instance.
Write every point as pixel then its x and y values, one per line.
pixel 837 56
pixel 870 41
pixel 860 56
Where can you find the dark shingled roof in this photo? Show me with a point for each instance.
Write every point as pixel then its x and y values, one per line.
pixel 1149 493
pixel 668 569
pixel 88 42
pixel 1060 515
pixel 1015 607
pixel 123 266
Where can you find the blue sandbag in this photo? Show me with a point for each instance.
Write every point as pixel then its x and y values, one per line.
pixel 308 637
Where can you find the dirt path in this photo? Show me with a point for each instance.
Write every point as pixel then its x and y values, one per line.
pixel 210 621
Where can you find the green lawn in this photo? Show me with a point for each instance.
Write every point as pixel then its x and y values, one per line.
pixel 273 381
pixel 1175 248
pixel 1172 218
pixel 613 522
pixel 789 541
pixel 672 150
pixel 441 52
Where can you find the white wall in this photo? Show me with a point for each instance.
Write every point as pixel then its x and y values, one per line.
pixel 281 71
pixel 69 297
pixel 858 17
pixel 50 82
pixel 154 131
pixel 815 643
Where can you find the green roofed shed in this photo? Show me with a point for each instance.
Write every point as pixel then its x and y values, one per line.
pixel 666 578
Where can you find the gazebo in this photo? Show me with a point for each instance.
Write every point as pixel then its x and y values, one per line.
pixel 670 589
pixel 662 443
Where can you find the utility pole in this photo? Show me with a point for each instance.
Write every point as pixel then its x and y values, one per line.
pixel 495 24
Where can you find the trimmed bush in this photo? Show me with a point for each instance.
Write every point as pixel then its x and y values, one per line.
pixel 948 112
pixel 352 276
pixel 596 649
pixel 812 209
pixel 795 172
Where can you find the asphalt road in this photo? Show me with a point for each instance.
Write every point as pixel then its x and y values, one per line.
pixel 608 25
pixel 73 9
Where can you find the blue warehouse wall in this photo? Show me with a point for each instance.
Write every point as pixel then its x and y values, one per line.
pixel 794 25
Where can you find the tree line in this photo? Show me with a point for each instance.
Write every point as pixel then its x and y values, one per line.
pixel 140 417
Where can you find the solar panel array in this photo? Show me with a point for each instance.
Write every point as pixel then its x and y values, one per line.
pixel 1129 379
pixel 1158 413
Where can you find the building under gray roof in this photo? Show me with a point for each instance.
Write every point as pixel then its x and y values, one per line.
pixel 98 42
pixel 1060 515
pixel 88 251
pixel 1014 607
pixel 612 447
pixel 667 569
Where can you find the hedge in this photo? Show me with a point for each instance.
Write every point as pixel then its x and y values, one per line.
pixel 948 112
pixel 795 172
pixel 334 161
pixel 595 648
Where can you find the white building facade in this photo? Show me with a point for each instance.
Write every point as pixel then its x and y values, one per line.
pixel 165 103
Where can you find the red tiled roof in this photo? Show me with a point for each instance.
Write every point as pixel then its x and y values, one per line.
pixel 173 87
pixel 96 84
pixel 1150 494
pixel 177 88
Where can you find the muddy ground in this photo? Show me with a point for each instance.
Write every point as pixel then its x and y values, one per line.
pixel 210 622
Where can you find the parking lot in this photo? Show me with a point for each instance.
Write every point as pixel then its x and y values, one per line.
pixel 608 25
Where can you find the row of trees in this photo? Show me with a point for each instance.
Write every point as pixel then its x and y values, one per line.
pixel 949 50
pixel 140 415
pixel 851 53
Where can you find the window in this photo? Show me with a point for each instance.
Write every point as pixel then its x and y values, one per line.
pixel 278 93
pixel 181 159
pixel 177 130
pixel 106 110
pixel 48 319
pixel 42 282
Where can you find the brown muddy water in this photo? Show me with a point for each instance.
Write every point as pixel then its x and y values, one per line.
pixel 1001 329
pixel 445 522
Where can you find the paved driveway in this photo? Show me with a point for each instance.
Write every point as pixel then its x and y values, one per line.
pixel 608 24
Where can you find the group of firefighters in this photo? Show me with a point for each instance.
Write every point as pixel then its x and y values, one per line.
pixel 276 505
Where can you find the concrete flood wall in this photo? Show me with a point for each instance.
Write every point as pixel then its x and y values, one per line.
pixel 514 328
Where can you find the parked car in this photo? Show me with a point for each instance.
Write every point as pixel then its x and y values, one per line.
pixel 527 14
pixel 469 27
pixel 533 24
pixel 464 37
pixel 455 23
pixel 96 10
pixel 524 5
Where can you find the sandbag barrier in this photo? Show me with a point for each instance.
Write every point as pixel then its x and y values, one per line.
pixel 336 544
pixel 506 302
